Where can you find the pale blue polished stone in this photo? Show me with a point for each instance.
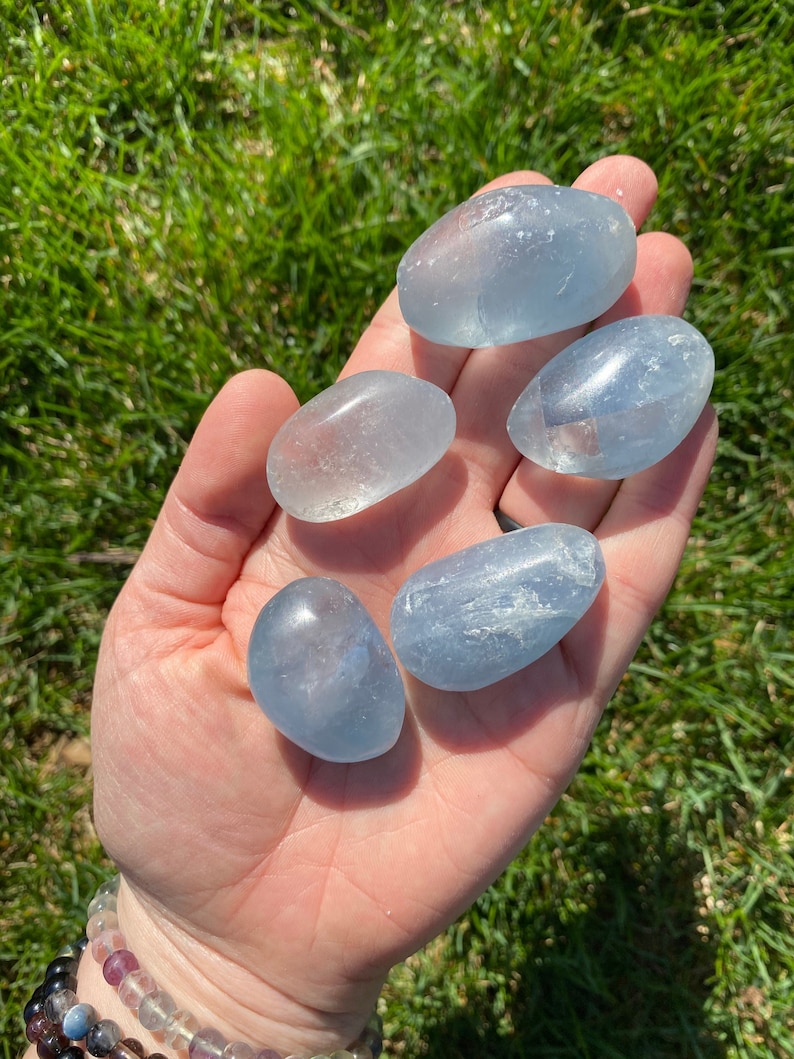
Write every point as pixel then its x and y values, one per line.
pixel 476 616
pixel 320 669
pixel 357 442
pixel 617 401
pixel 517 263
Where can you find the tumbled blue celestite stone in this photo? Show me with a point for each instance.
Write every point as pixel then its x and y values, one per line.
pixel 357 442
pixel 616 401
pixel 517 263
pixel 320 669
pixel 481 614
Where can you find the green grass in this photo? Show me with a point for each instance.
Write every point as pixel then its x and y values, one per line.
pixel 187 189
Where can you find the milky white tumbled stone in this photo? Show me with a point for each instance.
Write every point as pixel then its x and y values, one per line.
pixel 478 615
pixel 320 669
pixel 616 401
pixel 517 263
pixel 357 442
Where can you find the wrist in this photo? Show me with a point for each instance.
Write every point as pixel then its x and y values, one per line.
pixel 204 988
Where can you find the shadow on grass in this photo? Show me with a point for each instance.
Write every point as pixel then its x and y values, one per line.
pixel 625 977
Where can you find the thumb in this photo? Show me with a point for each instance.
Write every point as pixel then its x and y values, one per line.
pixel 217 506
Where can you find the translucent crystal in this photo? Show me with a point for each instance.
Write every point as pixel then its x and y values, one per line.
pixel 481 614
pixel 321 671
pixel 357 442
pixel 180 1028
pixel 517 263
pixel 616 401
pixel 155 1010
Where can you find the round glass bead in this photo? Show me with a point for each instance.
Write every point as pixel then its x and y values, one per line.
pixel 105 943
pixel 207 1044
pixel 359 1050
pixel 35 1004
pixel 134 1045
pixel 119 964
pixel 373 1040
pixel 110 886
pixel 123 1051
pixel 101 1037
pixel 72 1052
pixel 104 920
pixel 180 1029
pixel 51 1043
pixel 101 903
pixel 61 965
pixel 36 1025
pixel 59 982
pixel 375 1022
pixel 155 1009
pixel 58 1003
pixel 74 950
pixel 268 1053
pixel 78 1020
pixel 238 1050
pixel 157 1055
pixel 134 987
pixel 342 1053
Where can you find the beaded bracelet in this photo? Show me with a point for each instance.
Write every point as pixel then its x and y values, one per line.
pixel 55 1019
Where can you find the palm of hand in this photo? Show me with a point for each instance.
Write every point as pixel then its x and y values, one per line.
pixel 317 876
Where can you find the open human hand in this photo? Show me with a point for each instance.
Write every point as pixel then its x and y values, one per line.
pixel 269 889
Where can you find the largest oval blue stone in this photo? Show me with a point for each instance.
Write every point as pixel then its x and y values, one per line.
pixel 517 263
pixel 481 614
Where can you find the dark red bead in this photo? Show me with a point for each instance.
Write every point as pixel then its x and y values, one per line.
pixel 36 1025
pixel 123 1051
pixel 51 1043
pixel 134 1045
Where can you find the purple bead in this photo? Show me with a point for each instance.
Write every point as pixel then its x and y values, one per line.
pixel 51 1043
pixel 101 1037
pixel 78 1020
pixel 118 965
pixel 207 1044
pixel 36 1025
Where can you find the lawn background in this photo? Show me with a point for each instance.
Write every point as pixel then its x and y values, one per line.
pixel 191 188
